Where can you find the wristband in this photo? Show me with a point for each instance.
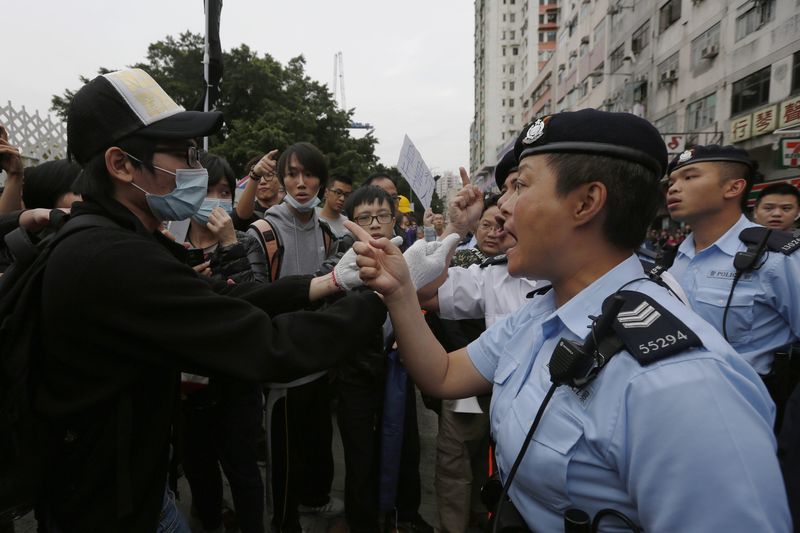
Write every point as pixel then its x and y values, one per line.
pixel 333 277
pixel 253 176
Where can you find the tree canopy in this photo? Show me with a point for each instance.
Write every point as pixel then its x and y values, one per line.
pixel 266 104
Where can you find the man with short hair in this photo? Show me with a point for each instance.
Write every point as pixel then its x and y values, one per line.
pixel 756 306
pixel 778 206
pixel 337 191
pixel 660 421
pixel 121 314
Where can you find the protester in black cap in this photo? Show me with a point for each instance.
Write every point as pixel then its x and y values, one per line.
pixel 754 302
pixel 663 424
pixel 121 313
pixel 51 185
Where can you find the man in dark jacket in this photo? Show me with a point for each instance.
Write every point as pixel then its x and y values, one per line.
pixel 122 314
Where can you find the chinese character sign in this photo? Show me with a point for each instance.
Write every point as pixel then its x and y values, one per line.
pixel 764 120
pixel 740 128
pixel 790 112
pixel 676 142
pixel 416 172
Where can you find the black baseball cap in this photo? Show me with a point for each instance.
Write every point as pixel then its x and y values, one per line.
pixel 590 131
pixel 115 105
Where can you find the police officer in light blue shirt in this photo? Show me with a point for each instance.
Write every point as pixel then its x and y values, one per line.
pixel 758 308
pixel 667 425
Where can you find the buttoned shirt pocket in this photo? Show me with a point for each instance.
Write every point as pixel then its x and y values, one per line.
pixel 711 300
pixel 547 460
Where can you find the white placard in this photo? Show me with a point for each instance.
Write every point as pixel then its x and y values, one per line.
pixel 416 172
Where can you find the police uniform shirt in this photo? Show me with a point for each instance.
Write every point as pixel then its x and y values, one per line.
pixel 764 314
pixel 683 444
pixel 476 292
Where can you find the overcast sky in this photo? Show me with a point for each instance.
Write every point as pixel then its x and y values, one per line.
pixel 408 65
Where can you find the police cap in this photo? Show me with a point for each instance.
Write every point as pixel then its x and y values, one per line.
pixel 590 131
pixel 505 166
pixel 709 153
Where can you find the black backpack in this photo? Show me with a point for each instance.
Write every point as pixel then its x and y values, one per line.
pixel 24 436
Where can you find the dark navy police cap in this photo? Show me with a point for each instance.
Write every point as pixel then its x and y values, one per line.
pixel 505 166
pixel 709 153
pixel 594 132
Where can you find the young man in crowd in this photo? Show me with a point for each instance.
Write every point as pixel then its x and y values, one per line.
pixel 753 302
pixel 778 207
pixel 661 433
pixel 261 192
pixel 337 191
pixel 121 314
pixel 303 483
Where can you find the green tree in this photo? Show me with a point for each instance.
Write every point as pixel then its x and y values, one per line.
pixel 266 104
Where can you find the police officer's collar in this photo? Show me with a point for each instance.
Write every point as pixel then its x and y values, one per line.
pixel 728 243
pixel 574 314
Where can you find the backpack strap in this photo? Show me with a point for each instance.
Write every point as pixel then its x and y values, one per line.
pixel 270 242
pixel 328 237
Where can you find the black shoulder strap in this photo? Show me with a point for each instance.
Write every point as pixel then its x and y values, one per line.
pixel 776 241
pixel 650 332
pixel 328 237
pixel 501 259
pixel 539 292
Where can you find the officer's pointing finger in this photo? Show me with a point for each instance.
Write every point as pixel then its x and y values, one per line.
pixel 464 176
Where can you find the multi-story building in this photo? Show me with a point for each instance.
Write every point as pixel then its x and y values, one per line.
pixel 512 39
pixel 702 71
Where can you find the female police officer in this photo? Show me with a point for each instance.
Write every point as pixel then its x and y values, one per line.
pixel 674 431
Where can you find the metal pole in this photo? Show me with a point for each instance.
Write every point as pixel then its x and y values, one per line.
pixel 206 62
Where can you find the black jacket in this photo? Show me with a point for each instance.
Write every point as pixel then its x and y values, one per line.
pixel 121 317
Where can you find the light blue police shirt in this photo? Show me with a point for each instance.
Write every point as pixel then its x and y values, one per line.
pixel 764 314
pixel 684 444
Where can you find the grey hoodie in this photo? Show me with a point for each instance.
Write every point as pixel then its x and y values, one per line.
pixel 303 244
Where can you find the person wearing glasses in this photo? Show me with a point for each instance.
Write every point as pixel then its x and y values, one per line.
pixel 337 192
pixel 122 314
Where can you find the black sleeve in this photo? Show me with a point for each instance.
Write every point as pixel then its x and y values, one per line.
pixel 9 222
pixel 123 296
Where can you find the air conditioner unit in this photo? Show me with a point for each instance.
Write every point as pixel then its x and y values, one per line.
pixel 668 76
pixel 709 52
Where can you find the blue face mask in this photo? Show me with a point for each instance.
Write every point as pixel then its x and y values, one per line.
pixel 191 186
pixel 301 207
pixel 208 205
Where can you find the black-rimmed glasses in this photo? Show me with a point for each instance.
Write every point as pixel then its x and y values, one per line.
pixel 366 220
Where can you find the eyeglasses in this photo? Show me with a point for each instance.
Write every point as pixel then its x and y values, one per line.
pixel 269 176
pixel 366 220
pixel 191 153
pixel 488 226
pixel 339 192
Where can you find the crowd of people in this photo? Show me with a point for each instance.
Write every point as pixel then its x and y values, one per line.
pixel 182 331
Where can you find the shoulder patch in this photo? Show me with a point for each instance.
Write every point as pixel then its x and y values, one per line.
pixel 778 241
pixel 650 332
pixel 496 260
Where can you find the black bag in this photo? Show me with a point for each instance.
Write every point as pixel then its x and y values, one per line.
pixel 23 436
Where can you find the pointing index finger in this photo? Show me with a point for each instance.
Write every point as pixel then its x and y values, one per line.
pixel 357 231
pixel 464 176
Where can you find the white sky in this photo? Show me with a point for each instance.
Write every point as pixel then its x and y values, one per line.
pixel 408 64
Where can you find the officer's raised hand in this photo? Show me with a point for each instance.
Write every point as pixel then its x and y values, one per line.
pixel 465 210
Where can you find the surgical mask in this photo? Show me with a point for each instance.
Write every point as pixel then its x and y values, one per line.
pixel 191 187
pixel 301 207
pixel 208 206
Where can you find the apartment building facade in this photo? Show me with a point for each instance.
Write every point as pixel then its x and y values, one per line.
pixel 703 71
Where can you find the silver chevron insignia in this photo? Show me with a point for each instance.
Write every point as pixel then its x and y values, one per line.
pixel 641 317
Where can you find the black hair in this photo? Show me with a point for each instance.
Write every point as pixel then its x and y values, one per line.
pixel 633 192
pixel 312 160
pixel 368 194
pixel 341 179
pixel 218 169
pixel 253 161
pixel 44 184
pixel 733 170
pixel 95 181
pixel 379 176
pixel 779 188
pixel 490 200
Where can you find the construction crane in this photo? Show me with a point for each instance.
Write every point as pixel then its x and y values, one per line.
pixel 338 91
